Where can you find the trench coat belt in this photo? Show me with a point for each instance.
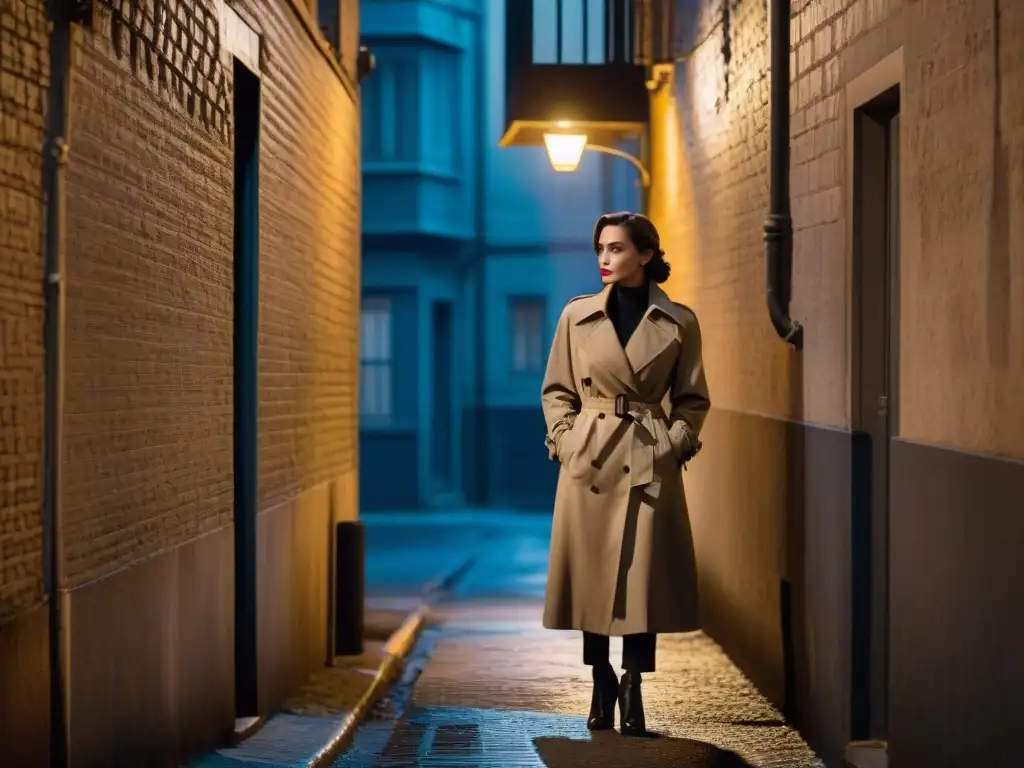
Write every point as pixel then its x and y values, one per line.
pixel 640 432
pixel 634 408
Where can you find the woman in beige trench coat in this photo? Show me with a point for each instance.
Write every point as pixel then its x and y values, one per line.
pixel 624 398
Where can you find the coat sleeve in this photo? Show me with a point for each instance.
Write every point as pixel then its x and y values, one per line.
pixel 688 396
pixel 560 400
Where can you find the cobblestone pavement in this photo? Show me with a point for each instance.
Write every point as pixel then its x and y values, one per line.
pixel 489 687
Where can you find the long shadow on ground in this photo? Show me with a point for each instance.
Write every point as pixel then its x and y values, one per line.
pixel 613 750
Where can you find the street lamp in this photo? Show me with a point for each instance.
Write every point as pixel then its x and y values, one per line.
pixel 565 150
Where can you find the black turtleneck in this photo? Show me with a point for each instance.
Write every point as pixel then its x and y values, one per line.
pixel 626 308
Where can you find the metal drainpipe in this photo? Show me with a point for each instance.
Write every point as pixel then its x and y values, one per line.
pixel 778 225
pixel 54 165
pixel 480 258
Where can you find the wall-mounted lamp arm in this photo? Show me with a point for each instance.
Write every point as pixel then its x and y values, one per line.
pixel 645 176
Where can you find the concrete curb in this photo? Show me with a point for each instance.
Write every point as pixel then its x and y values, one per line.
pixel 398 648
pixel 396 651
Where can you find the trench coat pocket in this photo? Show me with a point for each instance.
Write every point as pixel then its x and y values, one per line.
pixel 573 444
pixel 664 447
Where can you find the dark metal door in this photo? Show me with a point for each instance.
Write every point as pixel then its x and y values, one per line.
pixel 246 400
pixel 876 244
pixel 441 444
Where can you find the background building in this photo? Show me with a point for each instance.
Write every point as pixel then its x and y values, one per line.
pixel 210 418
pixel 470 254
pixel 856 505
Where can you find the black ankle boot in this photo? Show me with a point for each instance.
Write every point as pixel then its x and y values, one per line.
pixel 602 705
pixel 631 706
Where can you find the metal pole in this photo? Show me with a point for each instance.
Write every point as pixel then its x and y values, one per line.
pixel 54 166
pixel 778 225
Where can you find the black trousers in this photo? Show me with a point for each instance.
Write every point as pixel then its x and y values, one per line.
pixel 637 651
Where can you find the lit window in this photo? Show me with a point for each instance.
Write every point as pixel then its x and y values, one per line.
pixel 527 334
pixel 375 360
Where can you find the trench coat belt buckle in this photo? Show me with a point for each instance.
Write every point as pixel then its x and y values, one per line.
pixel 624 408
pixel 638 418
pixel 621 406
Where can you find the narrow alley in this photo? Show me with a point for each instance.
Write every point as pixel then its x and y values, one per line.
pixel 488 686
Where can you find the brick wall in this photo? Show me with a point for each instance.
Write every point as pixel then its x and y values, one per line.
pixel 962 367
pixel 149 451
pixel 310 259
pixel 770 507
pixel 24 68
pixel 710 196
pixel 149 312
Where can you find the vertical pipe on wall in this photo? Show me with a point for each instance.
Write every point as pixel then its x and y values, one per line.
pixel 513 63
pixel 54 166
pixel 778 224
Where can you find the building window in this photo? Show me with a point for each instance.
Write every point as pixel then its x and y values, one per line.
pixel 408 123
pixel 442 88
pixel 375 359
pixel 373 116
pixel 391 109
pixel 527 334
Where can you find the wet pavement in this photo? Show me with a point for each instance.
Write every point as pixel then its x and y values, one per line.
pixel 407 550
pixel 488 686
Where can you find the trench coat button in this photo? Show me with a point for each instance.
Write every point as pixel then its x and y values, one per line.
pixel 625 470
pixel 594 489
pixel 587 382
pixel 600 415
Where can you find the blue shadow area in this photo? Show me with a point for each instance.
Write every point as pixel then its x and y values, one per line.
pixel 407 550
pixel 470 251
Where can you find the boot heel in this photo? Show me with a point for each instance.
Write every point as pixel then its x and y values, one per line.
pixel 631 706
pixel 602 704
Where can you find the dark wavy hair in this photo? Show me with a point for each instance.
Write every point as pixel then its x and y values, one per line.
pixel 644 236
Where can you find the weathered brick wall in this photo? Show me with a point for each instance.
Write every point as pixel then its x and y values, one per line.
pixel 962 341
pixel 150 289
pixel 24 69
pixel 961 276
pixel 149 313
pixel 310 277
pixel 710 196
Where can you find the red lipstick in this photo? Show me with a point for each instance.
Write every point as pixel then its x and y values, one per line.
pixel 605 272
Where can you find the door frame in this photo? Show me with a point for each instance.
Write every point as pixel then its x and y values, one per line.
pixel 869 562
pixel 438 486
pixel 246 257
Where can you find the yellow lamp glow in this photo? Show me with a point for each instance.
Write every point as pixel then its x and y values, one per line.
pixel 565 150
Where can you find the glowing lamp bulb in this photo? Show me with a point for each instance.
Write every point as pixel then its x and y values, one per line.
pixel 565 150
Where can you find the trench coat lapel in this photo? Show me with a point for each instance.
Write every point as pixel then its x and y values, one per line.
pixel 655 332
pixel 602 344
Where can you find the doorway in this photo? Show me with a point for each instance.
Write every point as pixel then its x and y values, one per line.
pixel 246 379
pixel 441 432
pixel 876 228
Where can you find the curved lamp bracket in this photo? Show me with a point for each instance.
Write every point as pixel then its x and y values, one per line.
pixel 645 175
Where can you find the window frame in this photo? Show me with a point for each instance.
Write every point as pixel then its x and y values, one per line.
pixel 533 346
pixel 382 305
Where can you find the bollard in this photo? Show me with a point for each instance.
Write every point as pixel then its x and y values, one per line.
pixel 349 578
